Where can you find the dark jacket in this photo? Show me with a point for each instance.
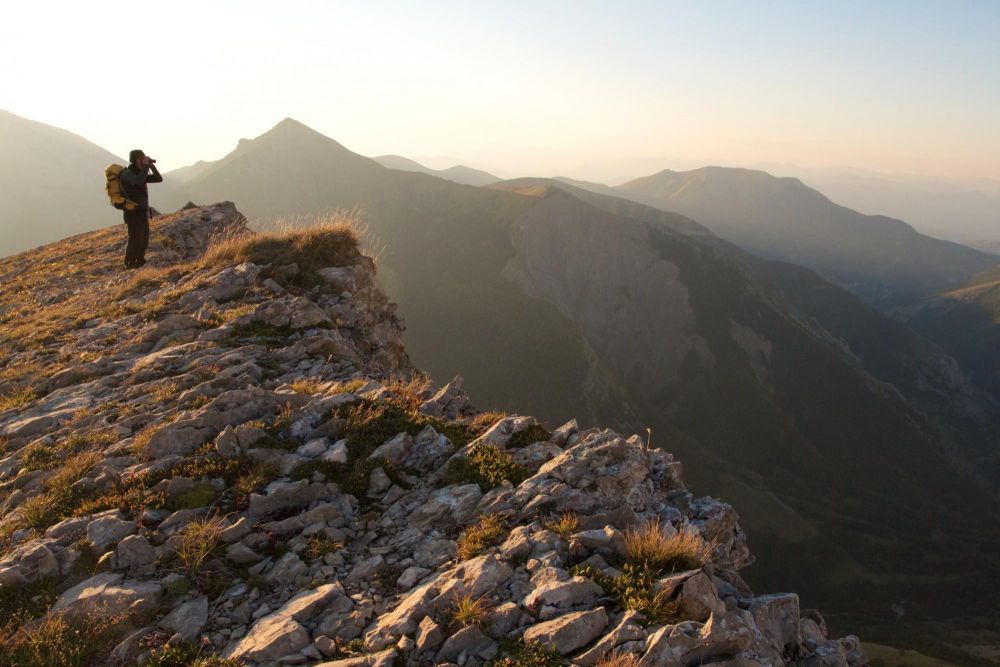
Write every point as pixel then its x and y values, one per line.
pixel 134 180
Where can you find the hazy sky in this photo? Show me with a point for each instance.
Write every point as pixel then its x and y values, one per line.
pixel 581 88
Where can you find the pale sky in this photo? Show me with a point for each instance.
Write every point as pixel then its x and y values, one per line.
pixel 525 87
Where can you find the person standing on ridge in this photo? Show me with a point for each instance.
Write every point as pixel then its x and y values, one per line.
pixel 141 170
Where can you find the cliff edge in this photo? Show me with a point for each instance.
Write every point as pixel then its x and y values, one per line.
pixel 227 458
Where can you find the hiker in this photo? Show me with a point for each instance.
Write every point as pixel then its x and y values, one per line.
pixel 140 171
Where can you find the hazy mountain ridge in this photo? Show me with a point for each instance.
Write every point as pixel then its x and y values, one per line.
pixel 51 183
pixel 237 458
pixel 458 173
pixel 883 260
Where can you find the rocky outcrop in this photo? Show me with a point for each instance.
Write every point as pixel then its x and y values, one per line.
pixel 254 467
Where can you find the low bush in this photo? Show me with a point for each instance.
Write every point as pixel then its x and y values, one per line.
pixel 486 465
pixel 475 539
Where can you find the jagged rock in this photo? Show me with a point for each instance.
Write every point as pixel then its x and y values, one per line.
pixel 107 594
pixel 283 495
pixel 188 618
pixel 109 529
pixel 380 659
pixel 628 630
pixel 455 503
pixel 554 597
pixel 271 638
pixel 777 617
pixel 450 401
pixel 429 635
pixel 469 641
pixel 569 632
pixel 288 568
pixel 698 599
pixel 691 641
pixel 135 552
pixel 307 604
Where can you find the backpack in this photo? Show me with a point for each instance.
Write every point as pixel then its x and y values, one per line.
pixel 114 187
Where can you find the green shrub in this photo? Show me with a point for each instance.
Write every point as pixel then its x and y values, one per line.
pixel 486 465
pixel 475 539
pixel 634 589
pixel 529 436
pixel 519 653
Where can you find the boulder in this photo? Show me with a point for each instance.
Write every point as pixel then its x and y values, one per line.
pixel 270 638
pixel 569 632
pixel 187 619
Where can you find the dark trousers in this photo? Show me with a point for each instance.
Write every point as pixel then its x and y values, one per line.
pixel 138 238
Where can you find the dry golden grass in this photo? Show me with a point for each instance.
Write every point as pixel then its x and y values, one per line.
pixel 650 547
pixel 198 540
pixel 306 386
pixel 477 538
pixel 330 241
pixel 616 659
pixel 60 640
pixel 167 391
pixel 565 525
pixel 484 420
pixel 408 390
pixel 467 610
pixel 16 399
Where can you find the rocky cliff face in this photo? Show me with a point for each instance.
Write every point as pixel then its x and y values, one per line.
pixel 229 454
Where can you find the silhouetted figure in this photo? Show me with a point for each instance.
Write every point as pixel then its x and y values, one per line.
pixel 140 171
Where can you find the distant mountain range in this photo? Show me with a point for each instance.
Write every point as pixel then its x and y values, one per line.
pixel 965 211
pixel 883 260
pixel 457 174
pixel 51 184
pixel 840 433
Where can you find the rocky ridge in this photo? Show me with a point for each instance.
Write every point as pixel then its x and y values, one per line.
pixel 229 454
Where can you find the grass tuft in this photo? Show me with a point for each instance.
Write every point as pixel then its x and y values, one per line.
pixel 59 640
pixel 650 547
pixel 332 241
pixel 475 539
pixel 198 540
pixel 468 610
pixel 565 525
pixel 16 399
pixel 519 653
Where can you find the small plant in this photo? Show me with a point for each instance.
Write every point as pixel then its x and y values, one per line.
pixel 529 436
pixel 306 386
pixel 486 465
pixel 58 640
pixel 565 525
pixel 519 653
pixel 475 539
pixel 165 392
pixel 318 546
pixel 198 540
pixel 617 659
pixel 187 654
pixel 16 398
pixel 201 495
pixel 650 547
pixel 347 387
pixel 634 588
pixel 43 456
pixel 468 610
